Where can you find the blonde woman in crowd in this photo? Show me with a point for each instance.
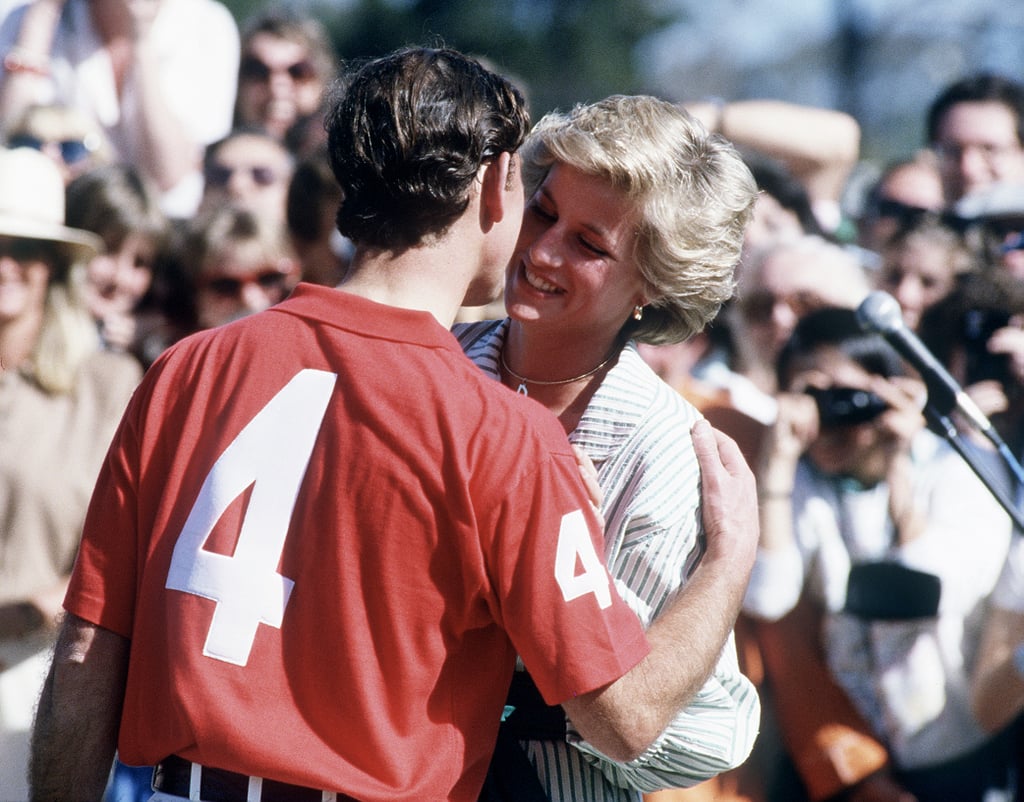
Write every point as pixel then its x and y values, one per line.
pixel 920 265
pixel 74 142
pixel 61 397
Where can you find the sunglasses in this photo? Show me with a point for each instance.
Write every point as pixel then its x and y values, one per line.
pixel 72 151
pixel 219 175
pixel 25 250
pixel 231 286
pixel 909 216
pixel 759 306
pixel 252 69
pixel 887 207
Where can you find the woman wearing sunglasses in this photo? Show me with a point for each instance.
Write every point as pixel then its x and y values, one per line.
pixel 286 65
pixel 240 263
pixel 61 397
pixel 75 143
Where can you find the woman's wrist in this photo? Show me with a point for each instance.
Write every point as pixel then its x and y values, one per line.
pixel 20 61
pixel 775 479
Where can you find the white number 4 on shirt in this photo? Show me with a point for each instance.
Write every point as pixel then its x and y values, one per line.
pixel 575 548
pixel 271 454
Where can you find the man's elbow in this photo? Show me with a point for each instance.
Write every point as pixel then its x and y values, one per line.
pixel 622 734
pixel 622 746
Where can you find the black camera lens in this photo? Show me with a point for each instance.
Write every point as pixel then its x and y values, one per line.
pixel 838 406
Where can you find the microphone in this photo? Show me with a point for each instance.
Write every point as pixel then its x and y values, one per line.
pixel 880 313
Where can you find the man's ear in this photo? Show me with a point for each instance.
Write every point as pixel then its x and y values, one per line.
pixel 494 189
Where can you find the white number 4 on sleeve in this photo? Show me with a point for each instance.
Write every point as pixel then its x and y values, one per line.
pixel 575 548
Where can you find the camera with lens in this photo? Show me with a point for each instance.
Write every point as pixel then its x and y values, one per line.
pixel 838 406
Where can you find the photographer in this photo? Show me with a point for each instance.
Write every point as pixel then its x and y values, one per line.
pixel 977 332
pixel 887 531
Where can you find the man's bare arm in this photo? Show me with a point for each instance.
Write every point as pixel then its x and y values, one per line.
pixel 625 717
pixel 79 713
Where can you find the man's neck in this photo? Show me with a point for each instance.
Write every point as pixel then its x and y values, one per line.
pixel 431 278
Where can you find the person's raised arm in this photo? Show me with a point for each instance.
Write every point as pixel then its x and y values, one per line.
pixel 76 725
pixel 26 65
pixel 820 146
pixel 165 148
pixel 623 718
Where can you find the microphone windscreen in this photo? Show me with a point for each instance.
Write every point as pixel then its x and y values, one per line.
pixel 880 313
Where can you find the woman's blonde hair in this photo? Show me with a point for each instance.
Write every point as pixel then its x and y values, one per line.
pixel 694 192
pixel 68 335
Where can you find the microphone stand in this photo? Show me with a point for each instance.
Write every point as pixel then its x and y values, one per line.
pixel 944 426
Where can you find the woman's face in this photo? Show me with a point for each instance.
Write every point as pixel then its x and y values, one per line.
pixel 240 281
pixel 24 276
pixel 918 274
pixel 573 264
pixel 117 280
pixel 277 84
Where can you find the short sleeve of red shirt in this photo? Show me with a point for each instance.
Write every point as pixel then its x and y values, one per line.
pixel 104 584
pixel 558 602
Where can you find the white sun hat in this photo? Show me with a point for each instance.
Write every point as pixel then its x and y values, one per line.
pixel 32 203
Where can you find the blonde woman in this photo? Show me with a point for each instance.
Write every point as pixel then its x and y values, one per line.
pixel 633 227
pixel 61 397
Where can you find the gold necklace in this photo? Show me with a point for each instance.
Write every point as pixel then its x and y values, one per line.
pixel 523 381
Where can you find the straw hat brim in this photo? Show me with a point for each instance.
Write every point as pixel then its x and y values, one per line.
pixel 80 244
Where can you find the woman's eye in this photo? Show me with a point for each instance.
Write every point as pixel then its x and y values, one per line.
pixel 594 249
pixel 541 213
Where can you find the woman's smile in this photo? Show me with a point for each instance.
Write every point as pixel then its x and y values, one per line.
pixel 539 283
